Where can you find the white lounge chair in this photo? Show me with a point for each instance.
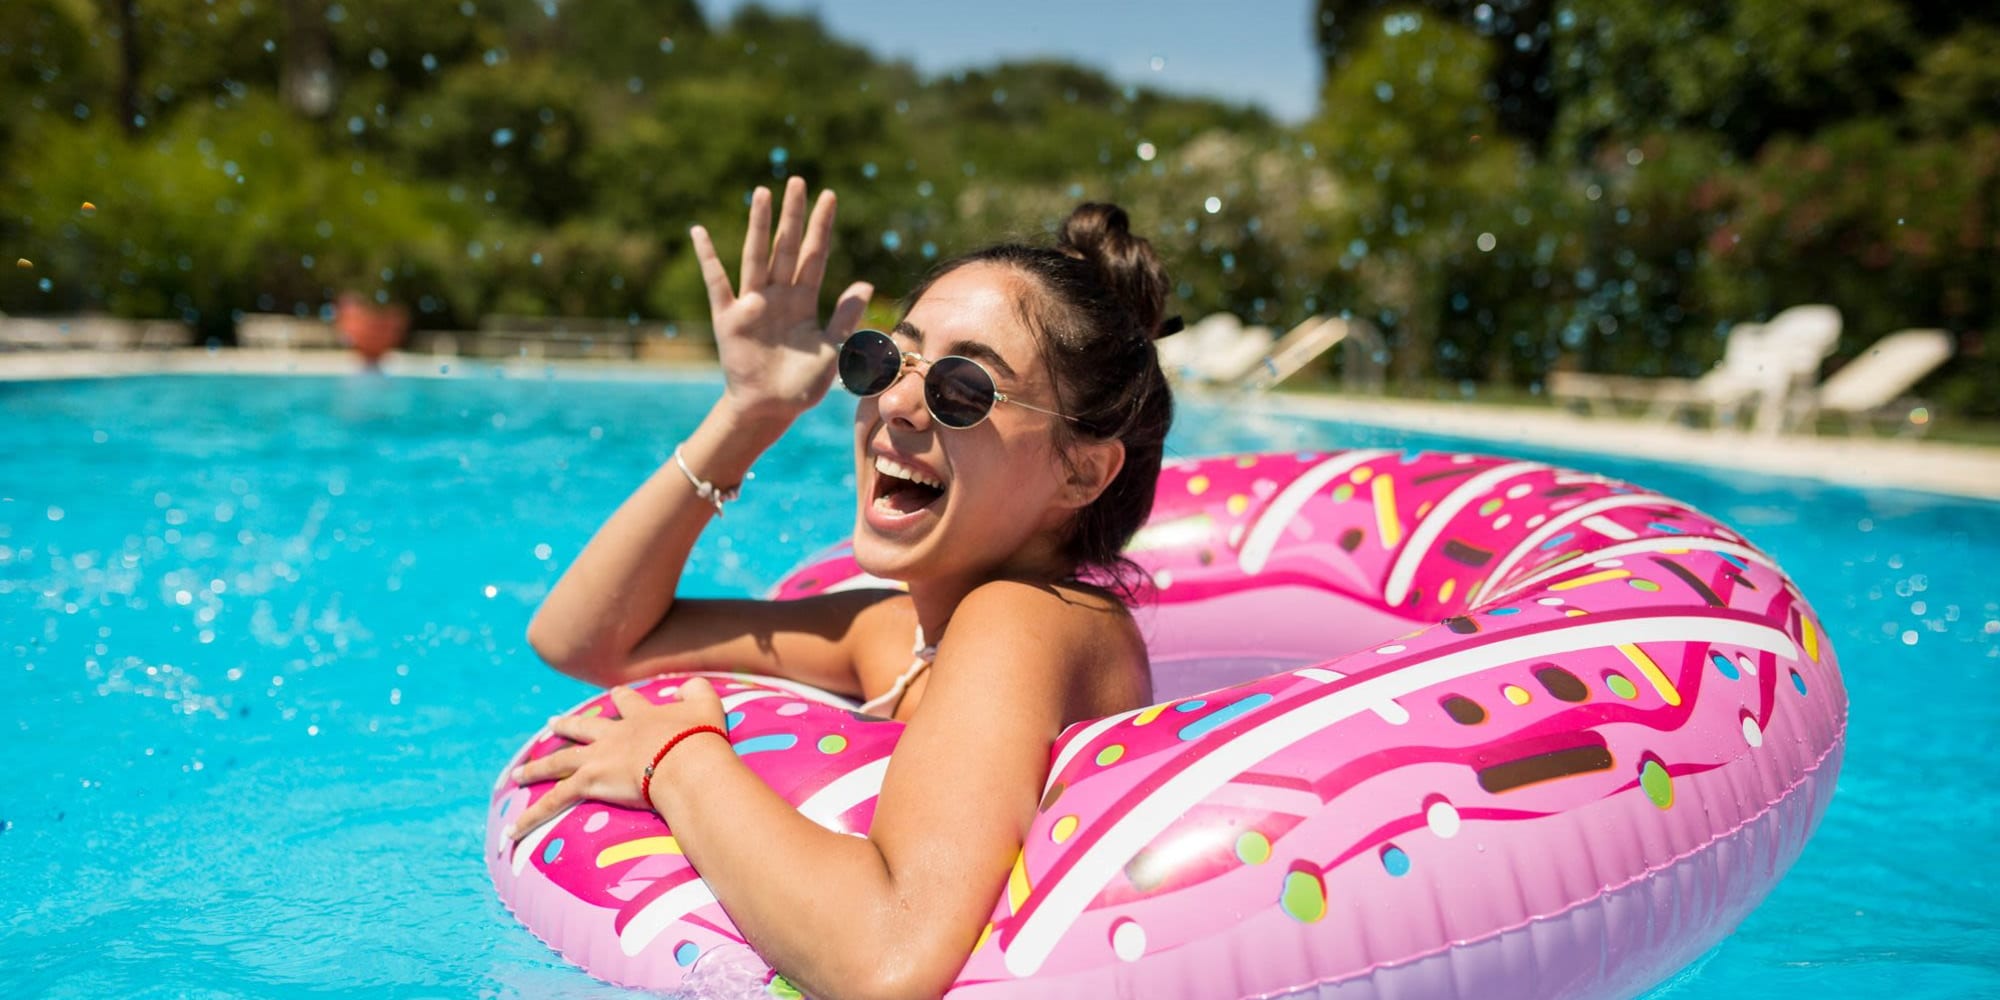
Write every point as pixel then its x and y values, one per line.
pixel 1796 341
pixel 1314 337
pixel 1871 386
pixel 1763 366
pixel 1217 349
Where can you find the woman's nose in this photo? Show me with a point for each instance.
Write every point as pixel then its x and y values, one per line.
pixel 903 402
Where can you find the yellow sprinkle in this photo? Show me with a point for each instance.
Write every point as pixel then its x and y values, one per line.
pixel 644 847
pixel 1361 475
pixel 1446 589
pixel 1198 485
pixel 1386 520
pixel 1238 504
pixel 983 935
pixel 1574 612
pixel 24 263
pixel 1589 578
pixel 1422 509
pixel 1063 828
pixel 1810 636
pixel 1651 671
pixel 1516 694
pixel 1017 883
pixel 1146 717
pixel 89 207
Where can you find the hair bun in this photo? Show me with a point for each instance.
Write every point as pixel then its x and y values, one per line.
pixel 1101 234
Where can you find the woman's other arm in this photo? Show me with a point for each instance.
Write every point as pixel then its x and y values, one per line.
pixel 777 362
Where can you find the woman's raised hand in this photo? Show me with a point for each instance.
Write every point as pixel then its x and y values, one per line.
pixel 776 358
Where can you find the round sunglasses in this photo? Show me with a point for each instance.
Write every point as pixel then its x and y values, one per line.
pixel 959 391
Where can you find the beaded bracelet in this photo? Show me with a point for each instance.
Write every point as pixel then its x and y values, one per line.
pixel 709 491
pixel 646 779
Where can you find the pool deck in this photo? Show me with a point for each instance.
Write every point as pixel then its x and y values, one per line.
pixel 1893 463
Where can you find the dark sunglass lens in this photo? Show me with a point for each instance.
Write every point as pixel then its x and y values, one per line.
pixel 869 363
pixel 959 392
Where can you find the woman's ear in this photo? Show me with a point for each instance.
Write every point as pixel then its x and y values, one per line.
pixel 1092 467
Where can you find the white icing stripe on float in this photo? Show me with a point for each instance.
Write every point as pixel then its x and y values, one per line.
pixel 1609 528
pixel 806 691
pixel 1218 762
pixel 729 702
pixel 1555 524
pixel 1658 543
pixel 845 792
pixel 1391 712
pixel 1434 523
pixel 1075 746
pixel 1271 524
pixel 673 906
pixel 526 848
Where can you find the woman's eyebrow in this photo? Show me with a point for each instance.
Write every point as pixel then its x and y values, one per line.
pixel 982 353
pixel 963 348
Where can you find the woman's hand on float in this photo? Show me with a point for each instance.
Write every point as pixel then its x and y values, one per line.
pixel 777 361
pixel 610 756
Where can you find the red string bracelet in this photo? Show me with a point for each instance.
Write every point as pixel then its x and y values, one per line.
pixel 646 781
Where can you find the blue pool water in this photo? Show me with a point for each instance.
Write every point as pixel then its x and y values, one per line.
pixel 261 654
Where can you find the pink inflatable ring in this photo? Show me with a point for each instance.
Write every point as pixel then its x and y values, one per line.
pixel 1434 725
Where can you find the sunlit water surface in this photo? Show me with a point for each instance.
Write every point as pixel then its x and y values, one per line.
pixel 261 653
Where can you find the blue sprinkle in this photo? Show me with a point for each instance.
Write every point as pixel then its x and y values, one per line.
pixel 1668 528
pixel 686 953
pixel 1798 682
pixel 551 850
pixel 1733 561
pixel 1411 457
pixel 1504 611
pixel 506 806
pixel 1722 663
pixel 1395 862
pixel 1222 715
pixel 1192 705
pixel 759 744
pixel 732 720
pixel 1558 540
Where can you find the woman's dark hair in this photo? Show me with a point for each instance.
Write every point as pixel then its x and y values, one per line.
pixel 1099 299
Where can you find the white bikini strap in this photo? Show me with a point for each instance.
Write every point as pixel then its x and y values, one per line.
pixel 925 652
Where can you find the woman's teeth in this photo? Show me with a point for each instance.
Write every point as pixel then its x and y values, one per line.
pixel 890 467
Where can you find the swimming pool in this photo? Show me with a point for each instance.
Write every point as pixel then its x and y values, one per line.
pixel 261 641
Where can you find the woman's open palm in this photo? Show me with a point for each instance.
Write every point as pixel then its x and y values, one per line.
pixel 776 358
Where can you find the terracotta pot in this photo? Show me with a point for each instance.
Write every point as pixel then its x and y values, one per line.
pixel 372 330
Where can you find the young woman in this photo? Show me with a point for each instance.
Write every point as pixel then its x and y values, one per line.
pixel 1006 445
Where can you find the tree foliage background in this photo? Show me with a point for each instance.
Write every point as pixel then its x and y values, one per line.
pixel 1502 186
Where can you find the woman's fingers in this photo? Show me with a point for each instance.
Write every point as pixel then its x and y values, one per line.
pixel 791 229
pixel 627 701
pixel 720 295
pixel 552 767
pixel 580 728
pixel 818 243
pixel 757 242
pixel 848 311
pixel 546 808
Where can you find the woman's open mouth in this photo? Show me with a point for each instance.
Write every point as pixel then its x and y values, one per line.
pixel 902 492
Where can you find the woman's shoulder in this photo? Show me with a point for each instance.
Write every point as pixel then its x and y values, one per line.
pixel 1085 635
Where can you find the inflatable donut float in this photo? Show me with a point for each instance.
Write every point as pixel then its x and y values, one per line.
pixel 1433 725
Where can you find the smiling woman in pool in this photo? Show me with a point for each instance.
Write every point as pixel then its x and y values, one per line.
pixel 1007 441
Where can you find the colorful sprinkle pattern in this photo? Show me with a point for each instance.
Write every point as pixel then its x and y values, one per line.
pixel 1540 696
